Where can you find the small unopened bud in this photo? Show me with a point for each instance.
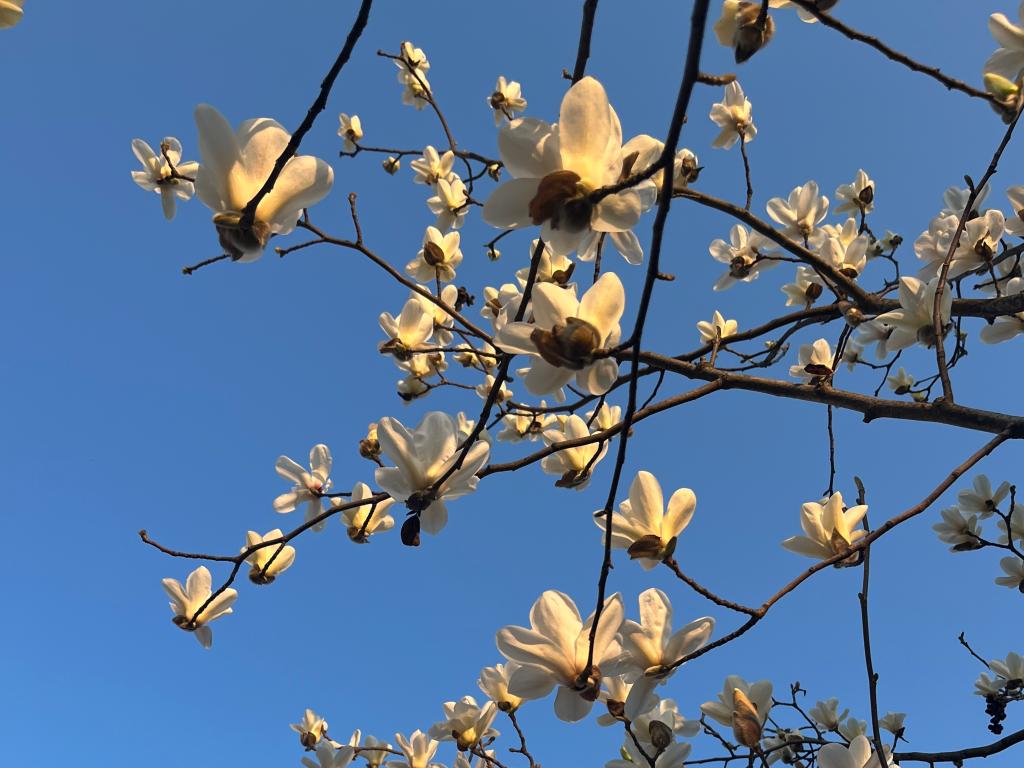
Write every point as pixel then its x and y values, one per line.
pixel 369 449
pixel 493 253
pixel 661 735
pixel 813 291
pixel 411 531
pixel 853 317
pixel 494 171
pixel 391 165
pixel 746 724
pixel 1000 87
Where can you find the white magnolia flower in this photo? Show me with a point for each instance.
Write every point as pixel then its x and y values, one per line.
pixel 418 749
pixel 649 648
pixel 1008 60
pixel 759 695
pixel 741 27
pixel 1013 568
pixel 815 362
pixel 980 499
pixel 433 167
pixel 156 175
pixel 1016 526
pixel 893 722
pixel 553 651
pixel 185 602
pixel 267 562
pixel 235 165
pixel 374 757
pixel 782 746
pixel 801 214
pixel 507 100
pixel 955 199
pixel 961 531
pixel 913 322
pixel 311 730
pixel 437 259
pixel 409 331
pixel 10 12
pixel 1015 223
pixel 932 245
pixel 857 755
pixel 643 527
pixel 351 130
pixel 901 382
pixel 309 485
pixel 573 466
pixel 422 457
pixel 845 249
pixel 851 728
pixel 552 268
pixel 827 715
pixel 673 756
pixel 443 320
pixel 666 711
pixel 554 169
pixel 1012 668
pixel 1006 327
pixel 716 328
pixel 978 244
pixel 565 334
pixel 856 197
pixel 988 686
pixel 829 528
pixel 494 682
pixel 355 518
pixel 327 756
pixel 805 288
pixel 450 203
pixel 466 723
pixel 732 115
pixel 524 425
pixel 744 253
pixel 605 417
pixel 412 74
pixel 613 695
pixel 483 389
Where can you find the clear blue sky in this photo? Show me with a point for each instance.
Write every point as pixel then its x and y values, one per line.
pixel 137 397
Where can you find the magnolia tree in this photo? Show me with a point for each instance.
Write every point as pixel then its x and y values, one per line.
pixel 562 331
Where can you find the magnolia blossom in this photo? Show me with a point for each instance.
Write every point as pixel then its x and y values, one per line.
pixel 437 259
pixel 1016 527
pixel 1012 668
pixel 805 289
pixel 409 331
pixel 845 249
pixel 553 651
pixel 1008 60
pixel 857 196
pixel 913 322
pixel 758 694
pixel 643 527
pixel 450 203
pixel 671 756
pixel 157 176
pixel 432 167
pixel 742 28
pixel 980 498
pixel 554 170
pixel 801 214
pixel 1006 327
pixel 466 723
pixel 355 518
pixel 829 529
pixel 309 486
pixel 565 334
pixel 857 755
pixel 506 100
pixel 494 682
pixel 520 425
pixel 552 267
pixel 574 465
pixel 893 722
pixel 732 115
pixel 954 201
pixel 418 749
pixel 815 362
pixel 613 695
pixel 900 382
pixel 1013 568
pixel 717 328
pixel 423 457
pixel 412 74
pixel 743 254
pixel 186 602
pixel 267 562
pixel 827 715
pixel 311 730
pixel 235 165
pixel 649 648
pixel 374 757
pixel 932 245
pixel 351 130
pixel 327 756
pixel 978 244
pixel 10 12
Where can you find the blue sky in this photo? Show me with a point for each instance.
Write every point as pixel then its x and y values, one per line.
pixel 139 398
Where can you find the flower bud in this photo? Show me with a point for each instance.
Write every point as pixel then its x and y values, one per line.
pixel 391 165
pixel 746 724
pixel 411 531
pixel 752 31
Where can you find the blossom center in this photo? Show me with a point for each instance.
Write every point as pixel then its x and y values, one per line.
pixel 562 200
pixel 567 346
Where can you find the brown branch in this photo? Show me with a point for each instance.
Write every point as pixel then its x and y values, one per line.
pixel 318 106
pixel 704 591
pixel 586 30
pixel 901 58
pixel 958 755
